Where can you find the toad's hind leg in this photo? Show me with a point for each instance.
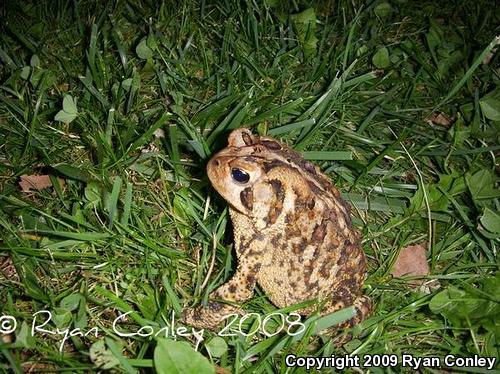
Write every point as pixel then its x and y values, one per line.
pixel 362 305
pixel 239 288
pixel 210 316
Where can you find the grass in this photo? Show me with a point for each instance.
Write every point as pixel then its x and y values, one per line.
pixel 398 102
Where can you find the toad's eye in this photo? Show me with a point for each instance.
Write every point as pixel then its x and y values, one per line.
pixel 240 176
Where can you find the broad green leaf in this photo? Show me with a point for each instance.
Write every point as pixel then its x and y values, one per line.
pixel 24 337
pixel 304 25
pixel 72 171
pixel 65 117
pixel 459 133
pixel 31 282
pixel 69 110
pixel 216 346
pixel 491 287
pixel 452 184
pixel 490 220
pixel 61 317
pixel 69 105
pixel 461 305
pixel 172 357
pixel 34 61
pixel 72 301
pixel 146 301
pixel 465 78
pixel 101 356
pixel 92 194
pixel 127 83
pixel 381 58
pixel 490 106
pixel 143 51
pixel 383 10
pixel 116 347
pixel 151 42
pixel 25 72
pixel 481 185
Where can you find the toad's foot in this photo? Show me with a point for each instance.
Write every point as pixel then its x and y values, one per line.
pixel 363 307
pixel 210 316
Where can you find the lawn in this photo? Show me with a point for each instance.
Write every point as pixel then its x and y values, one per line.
pixel 109 227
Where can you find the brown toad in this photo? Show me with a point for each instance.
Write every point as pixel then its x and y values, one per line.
pixel 292 232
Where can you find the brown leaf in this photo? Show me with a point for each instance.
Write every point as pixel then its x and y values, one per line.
pixel 7 269
pixel 221 370
pixel 489 56
pixel 30 183
pixel 440 119
pixel 411 261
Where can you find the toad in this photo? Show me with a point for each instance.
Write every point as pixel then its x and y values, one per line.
pixel 293 234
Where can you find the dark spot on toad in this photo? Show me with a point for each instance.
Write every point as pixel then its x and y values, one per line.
pixel 306 165
pixel 274 164
pixel 275 240
pixel 279 197
pixel 319 232
pixel 251 159
pixel 257 236
pixel 299 248
pixel 314 285
pixel 314 188
pixel 214 306
pixel 270 144
pixel 247 138
pixel 246 197
pixel 324 270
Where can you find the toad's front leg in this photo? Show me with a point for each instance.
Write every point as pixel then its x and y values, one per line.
pixel 238 289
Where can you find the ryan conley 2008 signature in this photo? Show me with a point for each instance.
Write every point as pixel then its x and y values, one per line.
pixel 42 318
pixel 290 323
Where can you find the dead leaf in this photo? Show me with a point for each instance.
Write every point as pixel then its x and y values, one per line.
pixel 8 270
pixel 30 183
pixel 411 261
pixel 159 133
pixel 150 148
pixel 221 370
pixel 489 55
pixel 440 119
pixel 30 236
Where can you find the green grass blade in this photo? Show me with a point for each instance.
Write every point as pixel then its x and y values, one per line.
pixel 113 201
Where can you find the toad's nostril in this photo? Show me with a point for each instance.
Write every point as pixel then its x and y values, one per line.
pixel 217 162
